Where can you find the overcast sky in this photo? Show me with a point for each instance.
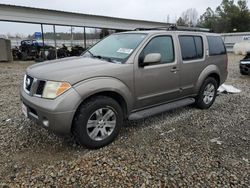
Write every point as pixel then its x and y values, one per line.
pixel 154 10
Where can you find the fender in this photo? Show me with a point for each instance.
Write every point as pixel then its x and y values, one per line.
pixel 96 85
pixel 211 69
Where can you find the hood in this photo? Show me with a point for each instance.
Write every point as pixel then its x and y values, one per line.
pixel 73 69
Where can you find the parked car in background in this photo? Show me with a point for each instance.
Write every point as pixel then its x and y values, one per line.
pixel 245 65
pixel 130 75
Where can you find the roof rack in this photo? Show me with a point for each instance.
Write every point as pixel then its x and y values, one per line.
pixel 174 27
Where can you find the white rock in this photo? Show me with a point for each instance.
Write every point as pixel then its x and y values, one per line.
pixel 228 89
pixel 216 140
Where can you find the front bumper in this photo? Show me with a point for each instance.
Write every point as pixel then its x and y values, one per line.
pixel 56 115
pixel 245 67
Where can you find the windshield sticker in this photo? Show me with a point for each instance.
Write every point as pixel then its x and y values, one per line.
pixel 125 50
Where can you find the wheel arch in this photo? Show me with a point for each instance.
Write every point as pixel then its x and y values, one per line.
pixel 109 87
pixel 209 71
pixel 216 77
pixel 112 94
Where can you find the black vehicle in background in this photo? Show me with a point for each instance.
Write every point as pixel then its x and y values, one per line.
pixel 245 65
pixel 34 50
pixel 28 50
pixel 77 50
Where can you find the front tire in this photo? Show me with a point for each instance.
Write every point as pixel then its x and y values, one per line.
pixel 97 122
pixel 207 93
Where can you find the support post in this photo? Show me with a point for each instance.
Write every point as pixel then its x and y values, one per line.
pixel 84 35
pixel 43 52
pixel 71 36
pixel 42 35
pixel 54 29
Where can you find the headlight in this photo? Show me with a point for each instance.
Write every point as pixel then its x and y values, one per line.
pixel 54 89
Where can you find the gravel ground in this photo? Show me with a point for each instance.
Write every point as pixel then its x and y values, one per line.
pixel 182 148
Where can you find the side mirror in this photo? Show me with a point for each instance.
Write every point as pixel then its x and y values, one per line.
pixel 152 58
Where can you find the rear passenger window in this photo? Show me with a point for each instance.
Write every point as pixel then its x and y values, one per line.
pixel 191 47
pixel 199 46
pixel 216 45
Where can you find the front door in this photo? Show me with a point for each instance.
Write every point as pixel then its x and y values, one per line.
pixel 157 83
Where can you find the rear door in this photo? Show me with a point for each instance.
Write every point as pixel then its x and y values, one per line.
pixel 192 52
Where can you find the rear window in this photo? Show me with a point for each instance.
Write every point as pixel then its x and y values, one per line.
pixel 191 47
pixel 216 45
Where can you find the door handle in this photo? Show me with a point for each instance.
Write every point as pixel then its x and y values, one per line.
pixel 174 69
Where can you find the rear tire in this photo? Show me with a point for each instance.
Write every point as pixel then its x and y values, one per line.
pixel 97 122
pixel 207 93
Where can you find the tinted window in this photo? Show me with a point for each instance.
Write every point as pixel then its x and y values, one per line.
pixel 191 47
pixel 216 45
pixel 187 47
pixel 199 46
pixel 162 45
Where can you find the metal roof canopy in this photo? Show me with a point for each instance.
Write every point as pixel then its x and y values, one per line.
pixel 12 13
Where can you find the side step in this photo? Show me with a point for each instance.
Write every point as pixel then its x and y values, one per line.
pixel 159 109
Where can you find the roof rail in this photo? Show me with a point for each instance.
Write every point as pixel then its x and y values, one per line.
pixel 174 27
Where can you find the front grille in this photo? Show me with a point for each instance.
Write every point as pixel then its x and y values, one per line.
pixel 41 85
pixel 32 86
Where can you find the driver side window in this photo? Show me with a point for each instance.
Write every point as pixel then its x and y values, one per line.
pixel 163 45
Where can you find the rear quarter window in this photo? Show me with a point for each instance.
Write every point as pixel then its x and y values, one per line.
pixel 216 45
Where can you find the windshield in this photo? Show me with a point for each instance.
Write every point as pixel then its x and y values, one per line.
pixel 116 47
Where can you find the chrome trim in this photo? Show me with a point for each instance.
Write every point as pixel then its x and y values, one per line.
pixel 24 84
pixel 33 115
pixel 33 87
pixel 35 95
pixel 245 62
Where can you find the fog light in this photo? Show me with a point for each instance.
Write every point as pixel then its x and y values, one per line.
pixel 46 122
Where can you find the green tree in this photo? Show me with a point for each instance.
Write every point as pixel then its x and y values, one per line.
pixel 228 13
pixel 228 17
pixel 243 21
pixel 208 19
pixel 181 22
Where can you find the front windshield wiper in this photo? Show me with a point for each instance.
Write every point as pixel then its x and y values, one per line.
pixel 95 56
pixel 102 57
pixel 90 52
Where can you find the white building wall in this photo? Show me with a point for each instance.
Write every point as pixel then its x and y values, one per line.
pixel 231 38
